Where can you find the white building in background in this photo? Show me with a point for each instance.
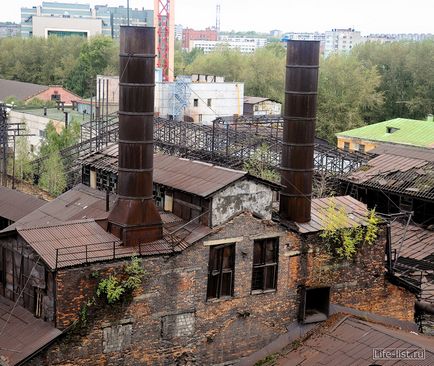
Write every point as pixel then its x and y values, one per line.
pixel 341 40
pixel 47 26
pixel 242 44
pixel 203 97
pixel 178 32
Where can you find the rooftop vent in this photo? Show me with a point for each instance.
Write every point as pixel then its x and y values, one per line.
pixel 391 129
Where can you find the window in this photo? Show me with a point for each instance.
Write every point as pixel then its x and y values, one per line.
pixel 221 271
pixel 361 148
pixel 200 118
pixel 208 102
pixel 346 146
pixel 265 257
pixel 55 97
pixel 195 102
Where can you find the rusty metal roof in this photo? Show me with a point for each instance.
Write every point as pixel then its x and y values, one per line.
pixel 356 213
pixel 84 241
pixel 413 252
pixel 15 204
pixel 24 334
pixel 396 174
pixel 407 151
pixel 81 202
pixel 201 179
pixel 346 341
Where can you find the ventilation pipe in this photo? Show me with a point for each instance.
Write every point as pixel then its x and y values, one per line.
pixel 134 217
pixel 301 87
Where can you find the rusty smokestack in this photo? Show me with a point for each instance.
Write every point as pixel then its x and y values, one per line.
pixel 301 88
pixel 134 217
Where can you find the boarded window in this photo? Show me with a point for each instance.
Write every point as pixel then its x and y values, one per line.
pixel 265 258
pixel 221 271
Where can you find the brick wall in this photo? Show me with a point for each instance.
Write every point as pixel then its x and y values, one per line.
pixel 170 322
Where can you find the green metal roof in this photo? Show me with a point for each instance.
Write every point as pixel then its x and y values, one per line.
pixel 399 131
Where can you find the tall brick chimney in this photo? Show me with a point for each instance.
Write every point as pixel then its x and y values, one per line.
pixel 301 87
pixel 134 217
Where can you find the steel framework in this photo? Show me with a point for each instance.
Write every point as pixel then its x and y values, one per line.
pixel 228 142
pixel 163 9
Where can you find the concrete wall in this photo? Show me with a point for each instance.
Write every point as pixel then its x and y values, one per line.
pixel 170 322
pixel 241 196
pixel 43 24
pixel 36 126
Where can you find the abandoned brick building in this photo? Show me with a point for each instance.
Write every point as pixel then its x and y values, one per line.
pixel 226 271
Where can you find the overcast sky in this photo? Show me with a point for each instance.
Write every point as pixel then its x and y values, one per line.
pixel 368 16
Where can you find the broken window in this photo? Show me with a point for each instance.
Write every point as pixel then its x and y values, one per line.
pixel 265 258
pixel 195 102
pixel 221 271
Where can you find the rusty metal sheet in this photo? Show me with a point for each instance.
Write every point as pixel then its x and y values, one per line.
pixel 406 151
pixel 24 334
pixel 201 179
pixel 349 341
pixel 15 204
pixel 418 243
pixel 397 174
pixel 81 202
pixel 356 213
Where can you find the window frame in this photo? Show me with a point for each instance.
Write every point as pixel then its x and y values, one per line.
pixel 215 275
pixel 263 265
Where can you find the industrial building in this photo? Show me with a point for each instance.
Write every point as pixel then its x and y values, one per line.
pixel 227 268
pixel 257 106
pixel 195 98
pixel 399 132
pixel 68 18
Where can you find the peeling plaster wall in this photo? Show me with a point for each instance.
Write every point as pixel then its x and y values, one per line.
pixel 241 196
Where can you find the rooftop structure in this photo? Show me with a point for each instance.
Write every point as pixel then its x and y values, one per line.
pixel 348 340
pixel 400 179
pixel 409 132
pixel 15 204
pixel 257 106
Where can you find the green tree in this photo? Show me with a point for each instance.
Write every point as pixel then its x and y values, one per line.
pixel 23 156
pixel 347 93
pixel 53 177
pixel 269 61
pixel 94 59
pixel 58 141
pixel 258 165
pixel 407 77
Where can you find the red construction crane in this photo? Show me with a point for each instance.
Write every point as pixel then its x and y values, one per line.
pixel 164 15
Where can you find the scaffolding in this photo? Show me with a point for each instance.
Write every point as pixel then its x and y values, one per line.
pixel 228 142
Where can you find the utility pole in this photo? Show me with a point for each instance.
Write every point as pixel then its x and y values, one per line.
pixel 128 12
pixel 3 144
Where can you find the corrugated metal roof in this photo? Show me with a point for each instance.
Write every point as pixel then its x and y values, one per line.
pixel 201 179
pixel 81 202
pixel 398 174
pixel 15 204
pixel 356 213
pixel 407 151
pixel 24 334
pixel 254 100
pixel 19 89
pixel 347 341
pixel 417 243
pixel 407 131
pixel 78 242
pixel 70 241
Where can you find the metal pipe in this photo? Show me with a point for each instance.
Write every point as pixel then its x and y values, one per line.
pixel 134 217
pixel 301 87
